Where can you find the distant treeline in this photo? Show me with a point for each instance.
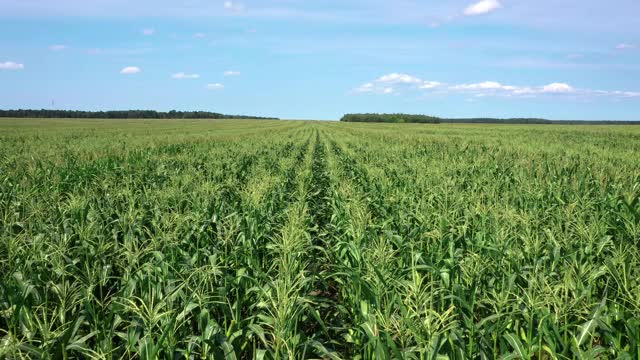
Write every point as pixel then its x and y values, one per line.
pixel 407 118
pixel 123 114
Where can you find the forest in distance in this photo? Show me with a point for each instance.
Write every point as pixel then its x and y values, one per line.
pixel 395 118
pixel 427 119
pixel 123 114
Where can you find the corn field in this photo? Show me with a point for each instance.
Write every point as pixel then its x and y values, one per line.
pixel 234 239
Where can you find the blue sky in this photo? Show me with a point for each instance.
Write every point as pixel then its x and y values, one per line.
pixel 560 59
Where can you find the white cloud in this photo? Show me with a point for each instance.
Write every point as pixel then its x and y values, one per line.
pixel 183 76
pixel 482 7
pixel 234 6
pixel 10 65
pixel 215 86
pixel 387 84
pixel 625 46
pixel 487 85
pixel 365 88
pixel 575 56
pixel 232 73
pixel 557 88
pixel 525 91
pixel 430 84
pixel 399 83
pixel 58 47
pixel 396 78
pixel 130 70
pixel 148 31
pixel 199 35
pixel 495 88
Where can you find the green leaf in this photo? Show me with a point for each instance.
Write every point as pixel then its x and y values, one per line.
pixel 516 344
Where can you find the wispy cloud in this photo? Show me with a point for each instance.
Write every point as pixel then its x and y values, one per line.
pixel 482 7
pixel 10 65
pixel 184 76
pixel 148 31
pixel 130 70
pixel 231 73
pixel 58 47
pixel 215 86
pixel 430 84
pixel 365 88
pixel 199 35
pixel 234 6
pixel 397 82
pixel 589 15
pixel 625 46
pixel 626 94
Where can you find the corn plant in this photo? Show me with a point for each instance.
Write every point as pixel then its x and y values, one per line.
pixel 236 239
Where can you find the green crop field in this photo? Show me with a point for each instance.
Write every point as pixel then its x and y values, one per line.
pixel 236 239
